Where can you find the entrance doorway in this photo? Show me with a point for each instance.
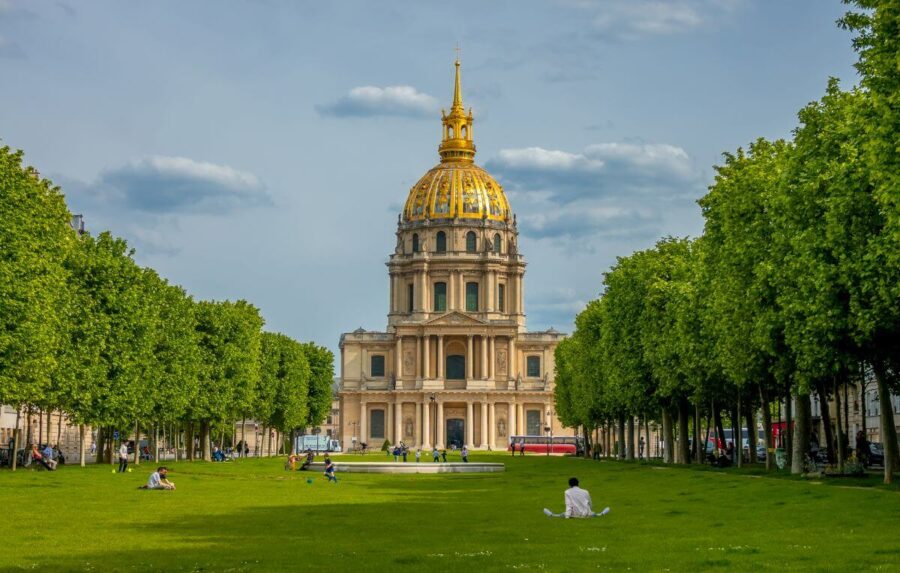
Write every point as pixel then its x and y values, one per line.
pixel 456 432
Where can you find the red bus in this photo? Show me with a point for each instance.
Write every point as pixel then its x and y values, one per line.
pixel 541 444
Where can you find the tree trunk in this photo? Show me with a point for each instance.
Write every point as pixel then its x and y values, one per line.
pixel 620 438
pixel 59 428
pixel 846 408
pixel 189 442
pixel 204 441
pixel 697 452
pixel 840 427
pixel 822 391
pixel 861 393
pixel 40 427
pixel 705 440
pixel 800 447
pixel 789 426
pixel 888 429
pixel 720 429
pixel 81 456
pixel 668 437
pixel 156 443
pixel 684 447
pixel 737 436
pixel 137 444
pixel 752 432
pixel 647 432
pixel 629 439
pixel 767 426
pixel 17 437
pixel 243 436
pixel 101 444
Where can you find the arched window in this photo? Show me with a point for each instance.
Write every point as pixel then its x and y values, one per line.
pixel 441 241
pixel 440 297
pixel 415 242
pixel 451 132
pixel 471 242
pixel 463 132
pixel 497 243
pixel 471 297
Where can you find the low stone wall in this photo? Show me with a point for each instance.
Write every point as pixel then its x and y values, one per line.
pixel 411 468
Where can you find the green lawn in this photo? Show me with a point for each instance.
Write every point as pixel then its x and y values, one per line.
pixel 254 516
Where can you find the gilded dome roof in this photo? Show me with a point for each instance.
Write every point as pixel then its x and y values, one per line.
pixel 456 187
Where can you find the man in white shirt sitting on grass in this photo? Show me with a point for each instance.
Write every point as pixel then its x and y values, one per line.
pixel 159 480
pixel 578 503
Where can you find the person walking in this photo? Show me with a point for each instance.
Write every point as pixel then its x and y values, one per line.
pixel 522 448
pixel 862 449
pixel 512 448
pixel 436 455
pixel 329 469
pixel 465 454
pixel 123 457
pixel 418 455
pixel 444 455
pixel 641 448
pixel 404 451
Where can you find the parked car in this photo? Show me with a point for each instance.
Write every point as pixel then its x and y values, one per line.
pixel 761 453
pixel 876 454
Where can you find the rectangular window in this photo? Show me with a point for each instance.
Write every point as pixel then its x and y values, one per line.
pixel 377 366
pixel 471 297
pixel 376 424
pixel 533 368
pixel 440 297
pixel 501 297
pixel 533 423
pixel 410 300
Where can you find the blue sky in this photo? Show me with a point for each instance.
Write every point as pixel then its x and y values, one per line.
pixel 263 150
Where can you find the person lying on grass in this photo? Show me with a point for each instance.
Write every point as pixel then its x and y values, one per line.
pixel 159 480
pixel 578 503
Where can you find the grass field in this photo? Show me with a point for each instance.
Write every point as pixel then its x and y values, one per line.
pixel 254 516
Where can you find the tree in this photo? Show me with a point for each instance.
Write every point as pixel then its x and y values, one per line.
pixel 35 238
pixel 321 364
pixel 229 343
pixel 284 383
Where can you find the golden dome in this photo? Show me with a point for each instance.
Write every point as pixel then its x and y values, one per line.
pixel 456 187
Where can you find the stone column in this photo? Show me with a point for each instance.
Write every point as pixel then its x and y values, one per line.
pixel 492 429
pixel 440 356
pixel 426 360
pixel 426 424
pixel 470 427
pixel 512 368
pixel 363 427
pixel 484 357
pixel 418 357
pixel 417 431
pixel 451 291
pixel 399 353
pixel 484 426
pixel 488 291
pixel 462 291
pixel 440 425
pixel 389 423
pixel 366 366
pixel 492 358
pixel 423 295
pixel 470 359
pixel 520 419
pixel 398 422
pixel 511 419
pixel 521 295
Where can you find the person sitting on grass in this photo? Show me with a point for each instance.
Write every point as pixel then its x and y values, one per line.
pixel 47 454
pixel 159 480
pixel 308 462
pixel 37 457
pixel 578 503
pixel 329 469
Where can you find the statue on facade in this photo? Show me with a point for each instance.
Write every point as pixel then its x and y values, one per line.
pixel 501 427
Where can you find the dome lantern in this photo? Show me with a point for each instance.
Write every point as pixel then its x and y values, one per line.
pixel 456 144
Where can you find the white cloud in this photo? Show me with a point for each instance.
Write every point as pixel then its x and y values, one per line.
pixel 631 19
pixel 180 184
pixel 601 170
pixel 371 101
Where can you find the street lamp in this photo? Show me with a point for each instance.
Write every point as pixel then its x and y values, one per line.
pixel 549 429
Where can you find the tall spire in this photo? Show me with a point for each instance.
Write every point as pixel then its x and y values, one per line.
pixel 457 89
pixel 457 144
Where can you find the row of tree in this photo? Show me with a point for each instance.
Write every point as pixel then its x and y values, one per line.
pixel 86 331
pixel 792 290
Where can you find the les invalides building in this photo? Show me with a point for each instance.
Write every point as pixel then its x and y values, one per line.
pixel 456 364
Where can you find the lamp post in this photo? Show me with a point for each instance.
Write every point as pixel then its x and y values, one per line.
pixel 550 430
pixel 433 397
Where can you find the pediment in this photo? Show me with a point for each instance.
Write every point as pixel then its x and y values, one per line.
pixel 455 319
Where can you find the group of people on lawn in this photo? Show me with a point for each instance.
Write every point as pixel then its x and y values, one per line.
pixel 401 451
